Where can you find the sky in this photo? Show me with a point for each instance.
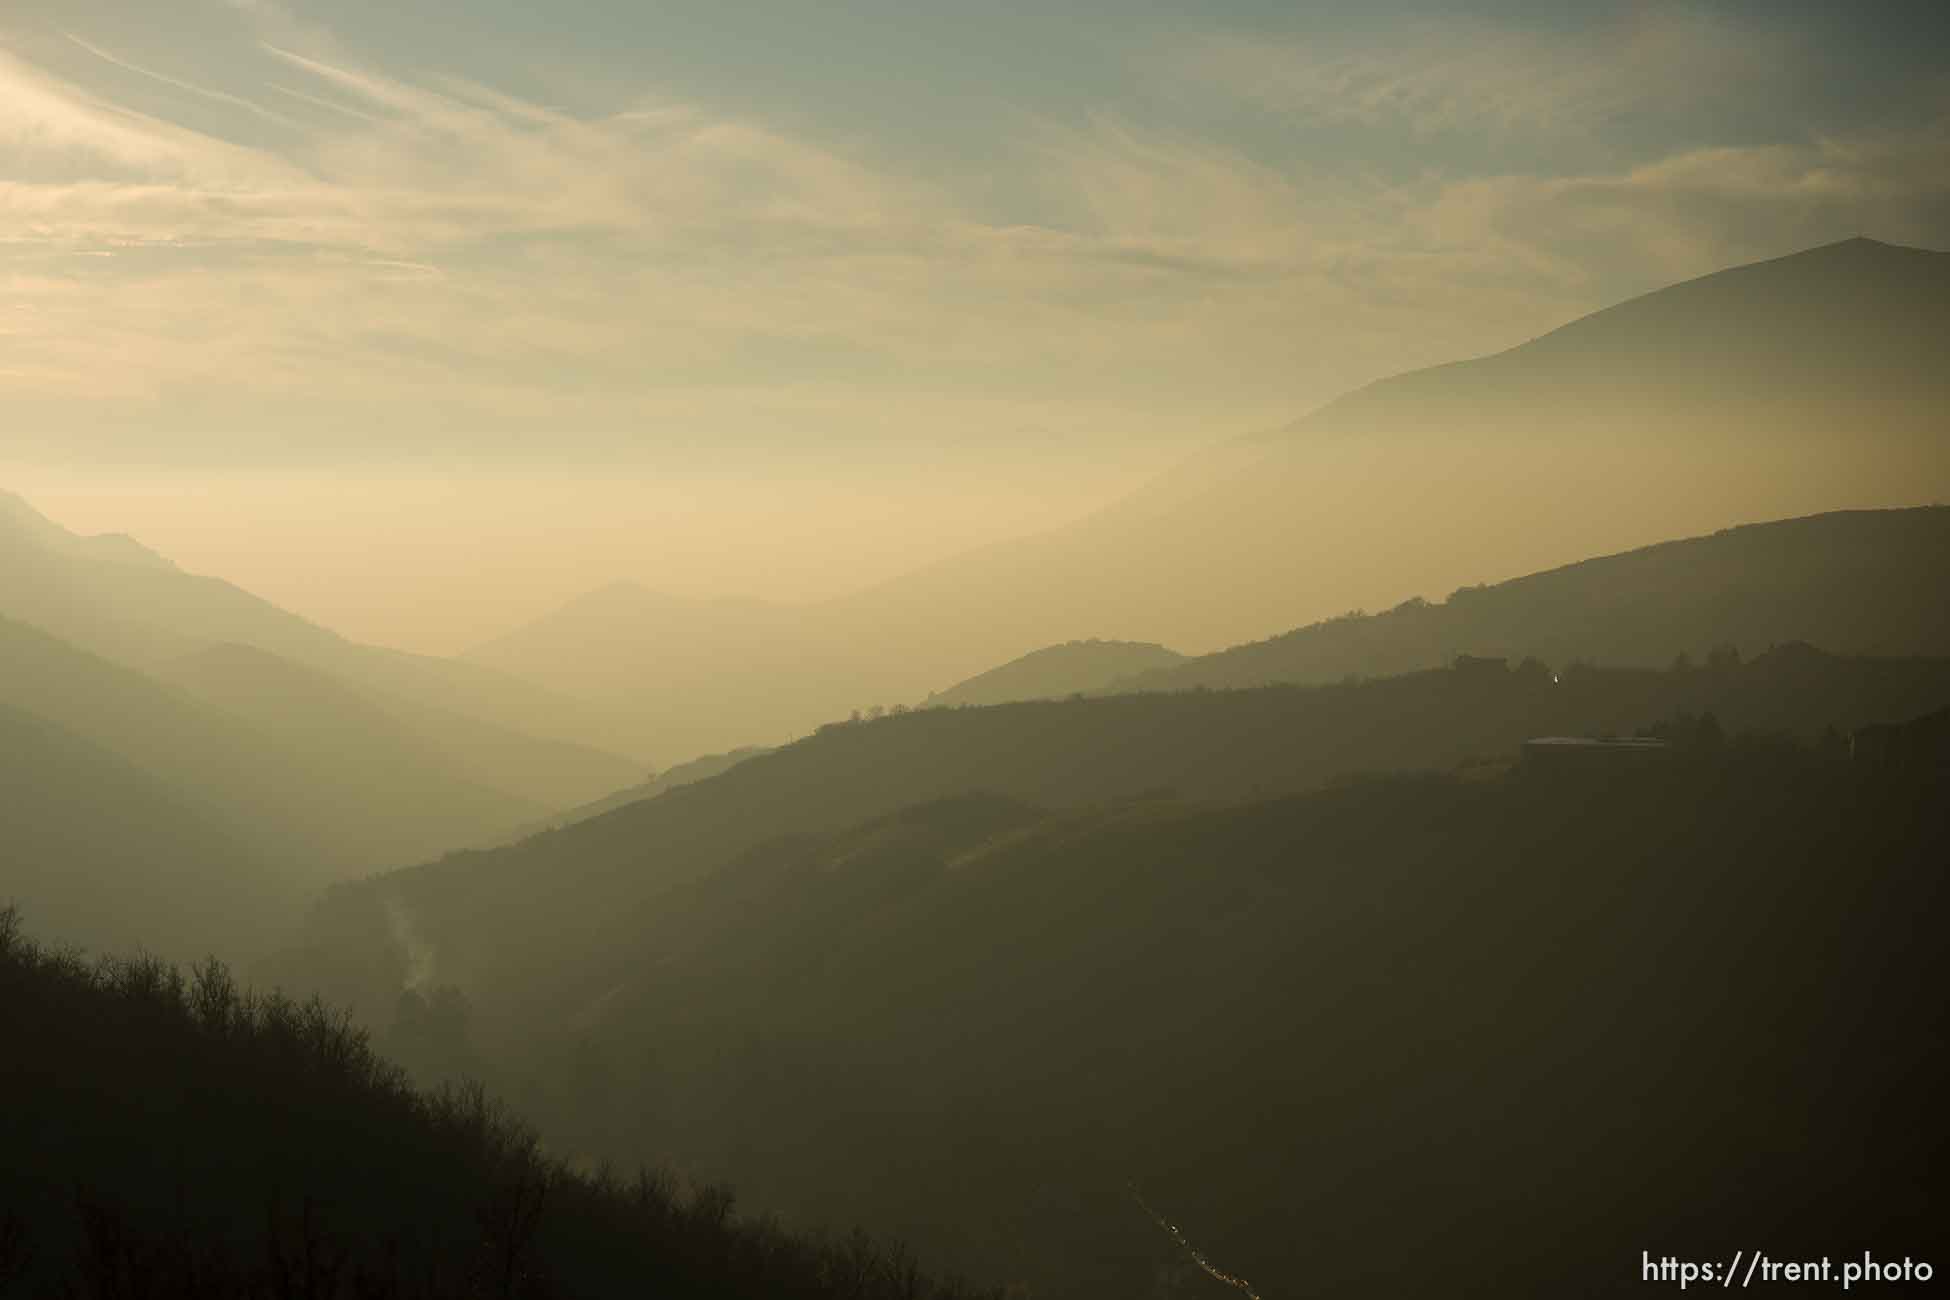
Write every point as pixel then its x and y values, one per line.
pixel 422 317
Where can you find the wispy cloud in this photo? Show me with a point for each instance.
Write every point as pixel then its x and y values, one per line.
pixel 215 96
pixel 403 255
pixel 1701 209
pixel 1463 74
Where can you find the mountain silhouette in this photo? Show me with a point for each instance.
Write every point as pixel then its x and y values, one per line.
pixel 671 778
pixel 1056 671
pixel 285 799
pixel 1781 389
pixel 1859 582
pixel 683 677
pixel 110 596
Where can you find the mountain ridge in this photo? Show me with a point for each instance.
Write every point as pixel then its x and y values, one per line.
pixel 1785 388
pixel 1856 581
pixel 1055 671
pixel 150 615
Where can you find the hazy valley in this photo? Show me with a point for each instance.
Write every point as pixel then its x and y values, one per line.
pixel 1098 913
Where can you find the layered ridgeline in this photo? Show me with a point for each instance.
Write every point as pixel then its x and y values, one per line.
pixel 1779 389
pixel 1395 1039
pixel 672 778
pixel 1861 582
pixel 105 852
pixel 151 1150
pixel 576 949
pixel 1056 671
pixel 114 597
pixel 280 774
pixel 337 789
pixel 1857 582
pixel 1810 383
pixel 686 678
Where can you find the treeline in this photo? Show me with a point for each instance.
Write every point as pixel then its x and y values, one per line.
pixel 168 1135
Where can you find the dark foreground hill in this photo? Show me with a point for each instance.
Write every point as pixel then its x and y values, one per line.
pixel 629 984
pixel 1857 582
pixel 523 927
pixel 177 1139
pixel 1441 1035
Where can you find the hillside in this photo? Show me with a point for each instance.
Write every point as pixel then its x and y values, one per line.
pixel 338 793
pixel 396 740
pixel 698 769
pixel 114 598
pixel 103 852
pixel 1855 317
pixel 1056 671
pixel 534 931
pixel 685 678
pixel 151 1151
pixel 1770 391
pixel 1397 1037
pixel 1630 426
pixel 1858 582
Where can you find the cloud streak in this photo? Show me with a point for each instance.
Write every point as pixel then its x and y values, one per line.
pixel 1461 74
pixel 413 261
pixel 215 96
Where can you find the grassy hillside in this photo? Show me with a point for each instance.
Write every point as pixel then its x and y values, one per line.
pixel 1396 1037
pixel 1859 582
pixel 1056 671
pixel 179 1139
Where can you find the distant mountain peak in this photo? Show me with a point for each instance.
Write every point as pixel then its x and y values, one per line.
pixel 1857 314
pixel 20 520
pixel 16 512
pixel 1747 293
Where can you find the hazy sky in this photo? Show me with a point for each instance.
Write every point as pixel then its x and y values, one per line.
pixel 940 271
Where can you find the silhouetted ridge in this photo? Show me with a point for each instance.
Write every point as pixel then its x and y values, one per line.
pixel 1857 581
pixel 110 596
pixel 1768 391
pixel 1055 671
pixel 23 523
pixel 1857 313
